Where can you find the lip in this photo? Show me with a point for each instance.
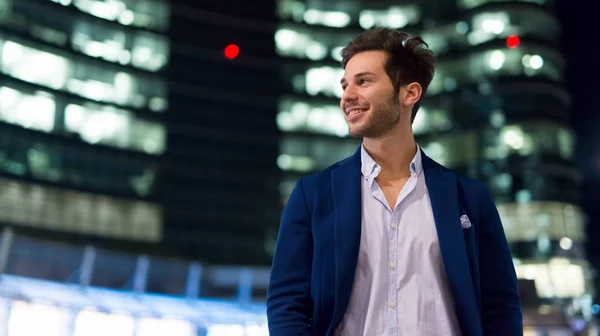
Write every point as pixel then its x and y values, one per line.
pixel 356 116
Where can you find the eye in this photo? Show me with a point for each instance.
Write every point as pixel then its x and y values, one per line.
pixel 363 81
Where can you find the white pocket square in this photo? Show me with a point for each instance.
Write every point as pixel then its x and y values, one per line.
pixel 465 222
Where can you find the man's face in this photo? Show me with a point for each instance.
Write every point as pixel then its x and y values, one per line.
pixel 369 102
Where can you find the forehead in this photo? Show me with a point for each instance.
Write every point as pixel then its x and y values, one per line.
pixel 366 61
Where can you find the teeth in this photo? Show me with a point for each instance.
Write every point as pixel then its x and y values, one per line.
pixel 353 112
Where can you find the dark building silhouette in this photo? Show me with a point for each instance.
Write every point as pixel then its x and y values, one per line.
pixel 220 182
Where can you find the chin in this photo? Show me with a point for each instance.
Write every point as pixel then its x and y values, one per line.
pixel 356 132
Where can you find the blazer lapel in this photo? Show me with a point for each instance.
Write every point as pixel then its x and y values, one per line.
pixel 442 187
pixel 346 190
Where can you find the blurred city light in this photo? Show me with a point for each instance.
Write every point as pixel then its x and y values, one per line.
pixel 232 51
pixel 513 41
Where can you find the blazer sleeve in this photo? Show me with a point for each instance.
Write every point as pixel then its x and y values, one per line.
pixel 289 304
pixel 500 302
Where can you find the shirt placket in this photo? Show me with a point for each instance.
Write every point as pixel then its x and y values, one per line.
pixel 392 273
pixel 393 256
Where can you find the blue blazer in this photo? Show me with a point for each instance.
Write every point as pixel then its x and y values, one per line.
pixel 318 243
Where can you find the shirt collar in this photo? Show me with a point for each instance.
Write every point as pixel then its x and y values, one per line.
pixel 370 168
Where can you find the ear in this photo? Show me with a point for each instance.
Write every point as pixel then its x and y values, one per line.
pixel 410 94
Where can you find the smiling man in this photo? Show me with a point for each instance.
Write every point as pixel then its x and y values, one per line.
pixel 389 242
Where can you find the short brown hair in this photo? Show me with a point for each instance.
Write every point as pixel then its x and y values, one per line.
pixel 410 59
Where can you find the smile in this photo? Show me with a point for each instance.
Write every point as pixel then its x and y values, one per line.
pixel 353 111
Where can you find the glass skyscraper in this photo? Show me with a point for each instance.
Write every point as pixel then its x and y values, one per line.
pixel 82 99
pixel 219 186
pixel 496 110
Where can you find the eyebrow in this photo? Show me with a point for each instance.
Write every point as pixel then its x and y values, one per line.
pixel 360 74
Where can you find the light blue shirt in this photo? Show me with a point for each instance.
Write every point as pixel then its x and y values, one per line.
pixel 400 286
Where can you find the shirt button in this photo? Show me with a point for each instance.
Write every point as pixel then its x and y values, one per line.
pixel 392 264
pixel 394 225
pixel 392 305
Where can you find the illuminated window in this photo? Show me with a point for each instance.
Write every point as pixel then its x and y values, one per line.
pixel 304 154
pixel 301 42
pixel 95 323
pixel 29 111
pixel 159 327
pixel 558 278
pixel 85 79
pixel 336 53
pixel 94 123
pixel 452 150
pixel 526 222
pixel 141 49
pixel 293 9
pixel 324 80
pixel 481 66
pixel 35 66
pixel 393 17
pixel 326 18
pixel 437 40
pixel 301 164
pixel 487 26
pixel 526 139
pixel 300 116
pixel 225 329
pixel 49 320
pixel 115 127
pixel 429 120
pixel 477 67
pixel 257 330
pixel 33 205
pixel 74 165
pixel 468 4
pixel 300 45
pixel 99 124
pixel 152 14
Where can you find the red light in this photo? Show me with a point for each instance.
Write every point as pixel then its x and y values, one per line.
pixel 512 41
pixel 231 51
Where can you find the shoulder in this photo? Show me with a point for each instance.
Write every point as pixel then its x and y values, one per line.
pixel 320 177
pixel 319 184
pixel 471 185
pixel 473 193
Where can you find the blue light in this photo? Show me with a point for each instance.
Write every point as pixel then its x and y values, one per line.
pixel 595 309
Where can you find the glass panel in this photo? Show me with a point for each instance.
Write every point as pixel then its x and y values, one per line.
pixel 558 278
pixel 152 14
pixel 141 49
pixel 39 206
pixel 86 79
pixel 527 222
pixel 29 111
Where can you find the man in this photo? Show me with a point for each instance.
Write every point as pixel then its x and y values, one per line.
pixel 388 242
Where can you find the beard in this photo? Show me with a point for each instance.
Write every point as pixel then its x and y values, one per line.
pixel 384 116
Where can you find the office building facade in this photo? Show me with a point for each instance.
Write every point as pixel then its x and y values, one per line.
pixel 82 103
pixel 112 132
pixel 496 110
pixel 220 195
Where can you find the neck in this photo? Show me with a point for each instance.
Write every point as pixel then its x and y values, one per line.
pixel 393 152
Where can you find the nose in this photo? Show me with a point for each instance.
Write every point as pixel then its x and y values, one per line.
pixel 349 95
